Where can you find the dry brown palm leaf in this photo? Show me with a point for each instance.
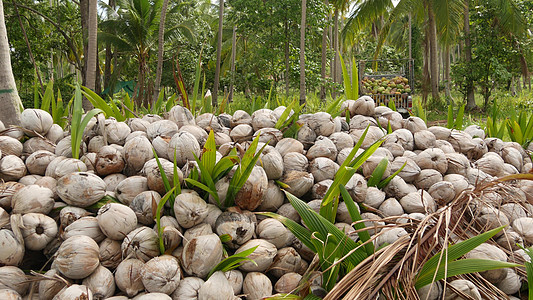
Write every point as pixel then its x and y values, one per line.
pixel 392 272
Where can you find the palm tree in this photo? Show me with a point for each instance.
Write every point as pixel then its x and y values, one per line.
pixel 92 51
pixel 219 52
pixel 160 49
pixel 9 98
pixel 302 53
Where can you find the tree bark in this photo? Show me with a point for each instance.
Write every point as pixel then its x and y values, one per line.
pixel 336 58
pixel 323 62
pixel 447 78
pixel 434 64
pixel 426 81
pixel 302 53
pixel 9 97
pixel 470 99
pixel 287 65
pixel 160 50
pixel 233 56
pixel 108 59
pixel 92 51
pixel 214 99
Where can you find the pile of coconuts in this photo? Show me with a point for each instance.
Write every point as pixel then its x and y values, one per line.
pixel 55 220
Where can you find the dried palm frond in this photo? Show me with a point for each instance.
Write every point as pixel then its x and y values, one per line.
pixel 393 271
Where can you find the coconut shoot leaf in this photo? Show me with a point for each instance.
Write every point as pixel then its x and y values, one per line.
pixel 460 118
pixel 529 270
pixel 176 182
pixel 449 120
pixel 356 219
pixel 464 266
pixel 386 181
pixel 392 105
pixel 48 96
pixel 453 252
pixel 160 206
pixel 346 80
pixel 225 238
pixel 285 115
pixel 355 80
pixel 286 297
pixel 378 172
pixel 233 261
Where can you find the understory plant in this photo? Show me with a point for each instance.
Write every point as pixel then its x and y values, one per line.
pixel 457 122
pixel 375 179
pixel 77 125
pixel 351 84
pixel 56 107
pixel 520 128
pixel 494 127
pixel 109 108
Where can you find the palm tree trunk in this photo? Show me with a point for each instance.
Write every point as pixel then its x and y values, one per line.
pixel 470 100
pixel 9 97
pixel 302 53
pixel 233 55
pixel 92 51
pixel 447 78
pixel 160 50
pixel 434 64
pixel 426 81
pixel 336 58
pixel 287 66
pixel 214 99
pixel 323 63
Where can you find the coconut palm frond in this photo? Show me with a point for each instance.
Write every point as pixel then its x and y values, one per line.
pixel 394 271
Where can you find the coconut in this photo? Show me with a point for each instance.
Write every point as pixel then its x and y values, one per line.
pixel 431 291
pixel 272 163
pixel 81 189
pixel 442 192
pixel 403 137
pixel 86 226
pixel 323 147
pixel 116 220
pixel 108 160
pixel 393 118
pixel 457 163
pixel 95 143
pixel 137 152
pixel 272 231
pixel 357 187
pixel 427 178
pixel 414 124
pixel 262 257
pixel 391 207
pixel 128 276
pixel 348 107
pixel 371 164
pixel 374 197
pixel 287 283
pixel 491 163
pixel 409 172
pixel 208 122
pixel 153 175
pixel 48 288
pixel 171 232
pixel 287 145
pixel 341 140
pixel 189 210
pixel 322 124
pixel 263 118
pixel 198 230
pixel 101 282
pixel 524 226
pixel 36 120
pixel 110 253
pixel 488 251
pixel 130 187
pixel 12 168
pixel 237 225
pixel 161 274
pixel 164 128
pixel 55 133
pixel 36 144
pixel 475 131
pixel 306 135
pixel 117 132
pixel 365 105
pixel 160 145
pixel 432 158
pixel 37 162
pixel 188 288
pixel 287 260
pixel 299 182
pixel 32 199
pixel 74 291
pixel 29 179
pixel 512 156
pixel 137 124
pixel 62 166
pixel 201 254
pixel 216 287
pixel 420 202
pixel 141 243
pixel 461 141
pixel 13 278
pixel 185 147
pixel 513 211
pixel 390 235
pixel 10 146
pixel 242 133
pixel 360 122
pixel 445 146
pixel 294 161
pixel 510 240
pixel 240 117
pixel 77 257
pixel 144 205
pixel 181 116
pixel 222 138
pixel 257 286
pixel 12 251
pixel 38 231
pixel 424 139
pixel 113 180
pixel 320 188
pixel 323 168
pixel 64 147
pixel 268 135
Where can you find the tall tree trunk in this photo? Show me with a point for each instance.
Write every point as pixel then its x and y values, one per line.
pixel 426 81
pixel 84 13
pixel 323 62
pixel 336 58
pixel 302 53
pixel 214 100
pixel 447 78
pixel 9 97
pixel 410 39
pixel 233 56
pixel 287 66
pixel 160 49
pixel 92 51
pixel 434 64
pixel 470 100
pixel 108 59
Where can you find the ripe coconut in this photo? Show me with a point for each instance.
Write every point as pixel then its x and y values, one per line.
pixel 365 106
pixel 141 243
pixel 101 282
pixel 409 172
pixel 117 132
pixel 250 195
pixel 424 139
pixel 391 207
pixel 38 231
pixel 48 288
pixel 323 168
pixel 153 175
pixel 165 128
pixel 208 122
pixel 198 230
pixel 342 140
pixel 12 168
pixel 108 161
pixel 269 135
pixel 294 161
pixel 262 257
pixel 77 257
pixel 323 147
pixel 240 117
pixel 414 124
pixel 402 137
pixel 427 178
pixel 128 276
pixel 272 163
pixel 116 220
pixel 257 286
pixel 137 152
pixel 432 158
pixel 144 206
pixel 273 198
pixel 29 179
pixel 457 163
pixel 393 118
pixel 36 120
pixel 320 188
pixel 188 288
pixel 161 274
pixel 488 251
pixel 238 225
pixel 32 199
pixel 491 163
pixel 216 287
pixel 55 133
pixel 86 226
pixel 371 164
pixel 398 188
pixel 286 260
pixel 181 116
pixel 37 162
pixel 374 197
pixel 62 166
pixel 12 252
pixel 81 189
pixel 306 135
pixel 130 187
pixel 442 192
pixel 420 202
pixel 357 187
pixel 36 144
pixel 10 146
pixel 263 118
pixel 189 210
pixel 185 147
pixel 272 231
pixel 288 145
pixel 201 254
pixel 137 124
pixel 110 253
pixel 13 278
pixel 322 124
pixel 299 182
